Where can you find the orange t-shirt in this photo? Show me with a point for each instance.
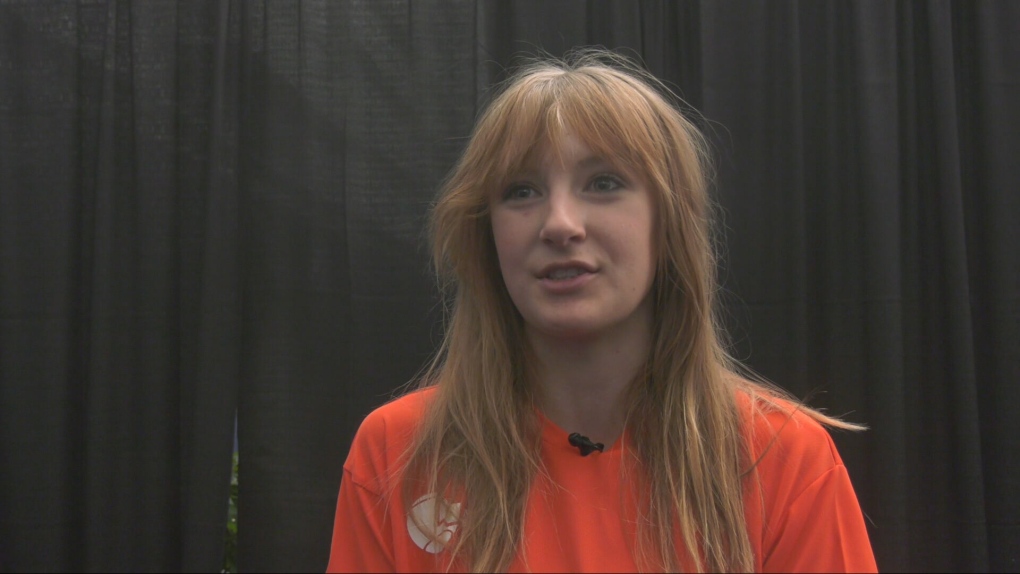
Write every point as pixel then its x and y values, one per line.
pixel 807 520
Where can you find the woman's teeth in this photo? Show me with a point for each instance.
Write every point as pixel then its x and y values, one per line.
pixel 568 273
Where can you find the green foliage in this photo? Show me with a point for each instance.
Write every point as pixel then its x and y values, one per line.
pixel 230 537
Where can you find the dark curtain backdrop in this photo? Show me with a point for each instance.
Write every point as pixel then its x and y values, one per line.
pixel 210 208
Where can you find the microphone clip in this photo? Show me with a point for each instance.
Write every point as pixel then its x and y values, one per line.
pixel 584 444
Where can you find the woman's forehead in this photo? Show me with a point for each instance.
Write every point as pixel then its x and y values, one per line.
pixel 570 150
pixel 543 121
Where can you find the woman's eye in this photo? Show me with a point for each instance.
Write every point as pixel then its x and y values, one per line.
pixel 519 192
pixel 606 183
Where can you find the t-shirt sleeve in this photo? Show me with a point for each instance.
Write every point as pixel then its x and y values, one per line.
pixel 359 540
pixel 368 507
pixel 802 512
pixel 362 533
pixel 823 530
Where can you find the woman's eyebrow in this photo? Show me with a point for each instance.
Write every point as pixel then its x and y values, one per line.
pixel 594 161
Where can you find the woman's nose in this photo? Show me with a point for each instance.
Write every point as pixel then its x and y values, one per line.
pixel 564 219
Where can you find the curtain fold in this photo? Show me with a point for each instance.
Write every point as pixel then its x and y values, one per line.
pixel 216 209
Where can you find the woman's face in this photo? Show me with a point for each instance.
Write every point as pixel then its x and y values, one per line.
pixel 574 235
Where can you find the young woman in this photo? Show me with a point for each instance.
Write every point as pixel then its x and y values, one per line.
pixel 582 414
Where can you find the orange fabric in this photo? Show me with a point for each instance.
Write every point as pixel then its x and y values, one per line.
pixel 808 520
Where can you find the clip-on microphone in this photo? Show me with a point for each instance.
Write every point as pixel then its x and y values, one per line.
pixel 584 444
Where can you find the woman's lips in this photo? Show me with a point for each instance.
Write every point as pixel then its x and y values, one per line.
pixel 566 280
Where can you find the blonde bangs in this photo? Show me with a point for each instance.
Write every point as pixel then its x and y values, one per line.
pixel 612 115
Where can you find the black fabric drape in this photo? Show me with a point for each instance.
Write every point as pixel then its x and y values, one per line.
pixel 119 327
pixel 217 208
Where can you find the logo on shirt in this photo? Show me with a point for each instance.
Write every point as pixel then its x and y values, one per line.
pixel 437 528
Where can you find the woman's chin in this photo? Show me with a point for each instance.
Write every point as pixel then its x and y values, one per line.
pixel 567 329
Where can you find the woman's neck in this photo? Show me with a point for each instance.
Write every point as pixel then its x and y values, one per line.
pixel 581 383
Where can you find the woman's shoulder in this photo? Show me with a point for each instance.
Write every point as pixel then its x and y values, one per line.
pixel 398 415
pixel 798 493
pixel 385 436
pixel 782 434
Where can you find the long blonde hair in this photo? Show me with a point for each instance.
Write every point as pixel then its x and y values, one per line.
pixel 480 439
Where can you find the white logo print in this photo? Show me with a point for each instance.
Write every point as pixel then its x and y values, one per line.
pixel 439 527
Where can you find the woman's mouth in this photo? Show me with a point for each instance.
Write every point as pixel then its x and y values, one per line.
pixel 565 273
